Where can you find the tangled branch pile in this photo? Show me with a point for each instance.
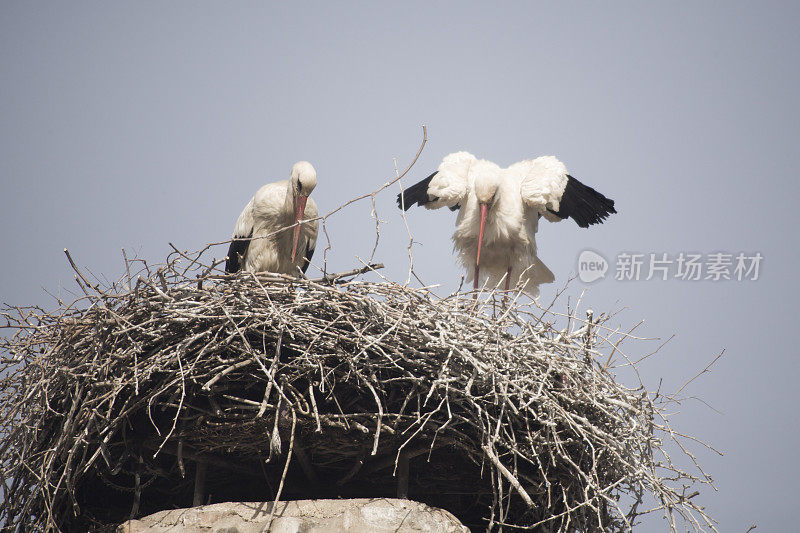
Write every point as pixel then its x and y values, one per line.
pixel 177 381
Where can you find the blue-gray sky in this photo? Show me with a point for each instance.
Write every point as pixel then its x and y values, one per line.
pixel 137 124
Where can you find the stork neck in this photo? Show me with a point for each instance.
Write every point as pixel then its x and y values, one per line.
pixel 290 202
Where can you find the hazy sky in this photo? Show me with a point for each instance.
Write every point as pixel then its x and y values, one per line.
pixel 137 124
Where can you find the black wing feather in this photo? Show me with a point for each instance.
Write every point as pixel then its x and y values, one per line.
pixel 417 193
pixel 236 251
pixel 583 204
pixel 308 256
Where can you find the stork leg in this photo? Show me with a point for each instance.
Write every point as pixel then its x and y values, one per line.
pixel 508 285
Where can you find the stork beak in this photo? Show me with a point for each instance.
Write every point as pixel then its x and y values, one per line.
pixel 484 210
pixel 299 209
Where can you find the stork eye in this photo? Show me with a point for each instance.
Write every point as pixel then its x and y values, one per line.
pixel 299 186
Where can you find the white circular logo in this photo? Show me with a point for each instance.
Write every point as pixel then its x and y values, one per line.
pixel 591 266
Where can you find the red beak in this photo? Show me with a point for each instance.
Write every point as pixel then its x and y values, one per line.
pixel 299 210
pixel 484 210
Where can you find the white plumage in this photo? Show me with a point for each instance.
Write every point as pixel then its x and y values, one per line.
pixel 451 181
pixel 542 183
pixel 506 252
pixel 499 211
pixel 257 247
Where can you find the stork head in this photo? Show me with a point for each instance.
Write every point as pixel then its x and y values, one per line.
pixel 303 180
pixel 486 182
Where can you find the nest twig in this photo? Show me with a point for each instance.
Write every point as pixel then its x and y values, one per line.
pixel 488 410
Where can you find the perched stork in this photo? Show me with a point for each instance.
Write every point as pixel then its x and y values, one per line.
pixel 491 237
pixel 495 237
pixel 499 211
pixel 256 247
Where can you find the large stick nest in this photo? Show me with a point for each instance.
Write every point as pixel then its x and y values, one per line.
pixel 308 389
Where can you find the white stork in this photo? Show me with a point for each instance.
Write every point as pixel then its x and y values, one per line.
pixel 499 211
pixel 275 206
